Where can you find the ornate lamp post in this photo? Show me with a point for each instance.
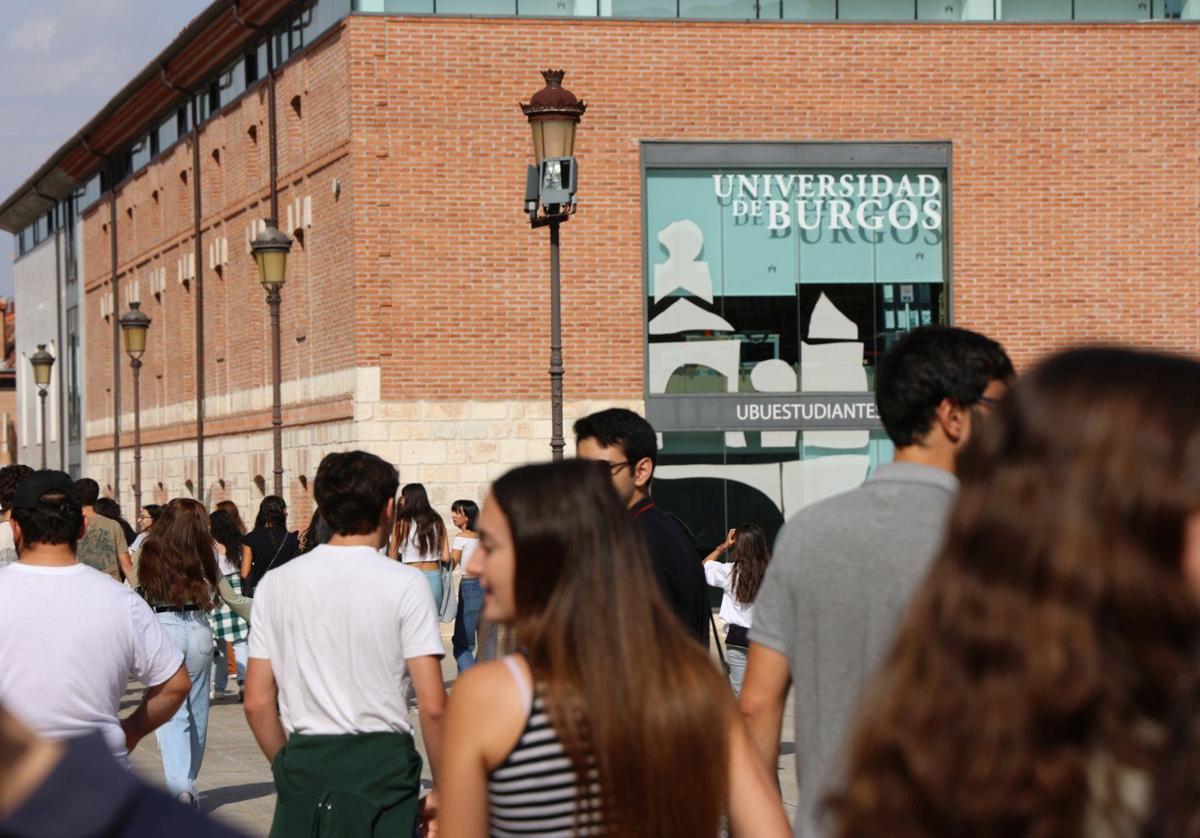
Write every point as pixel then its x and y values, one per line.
pixel 42 361
pixel 270 249
pixel 553 113
pixel 134 325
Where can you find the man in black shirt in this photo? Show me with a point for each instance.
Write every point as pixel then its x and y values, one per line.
pixel 628 444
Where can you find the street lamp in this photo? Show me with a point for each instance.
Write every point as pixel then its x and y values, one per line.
pixel 134 325
pixel 553 113
pixel 270 249
pixel 42 361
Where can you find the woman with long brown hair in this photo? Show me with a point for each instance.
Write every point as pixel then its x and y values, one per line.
pixel 740 579
pixel 419 540
pixel 610 719
pixel 1029 688
pixel 178 576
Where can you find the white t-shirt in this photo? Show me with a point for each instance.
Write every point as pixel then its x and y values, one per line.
pixel 720 575
pixel 8 547
pixel 224 565
pixel 70 639
pixel 467 545
pixel 338 625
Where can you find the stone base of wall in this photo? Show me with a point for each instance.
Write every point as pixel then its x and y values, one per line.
pixel 456 448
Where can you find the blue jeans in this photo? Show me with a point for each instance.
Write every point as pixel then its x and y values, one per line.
pixel 434 578
pixel 181 740
pixel 221 666
pixel 470 603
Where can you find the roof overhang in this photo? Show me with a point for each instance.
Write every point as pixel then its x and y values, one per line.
pixel 204 45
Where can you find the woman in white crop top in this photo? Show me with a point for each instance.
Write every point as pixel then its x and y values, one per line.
pixel 470 632
pixel 419 538
pixel 611 720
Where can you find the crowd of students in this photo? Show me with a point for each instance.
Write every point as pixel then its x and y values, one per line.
pixel 994 636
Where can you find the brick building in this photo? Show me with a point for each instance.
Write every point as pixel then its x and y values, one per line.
pixel 764 205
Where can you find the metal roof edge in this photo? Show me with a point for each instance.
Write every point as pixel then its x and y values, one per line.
pixel 30 189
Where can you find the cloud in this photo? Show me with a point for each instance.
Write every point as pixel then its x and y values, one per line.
pixel 34 34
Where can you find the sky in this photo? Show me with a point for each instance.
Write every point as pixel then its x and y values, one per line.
pixel 61 61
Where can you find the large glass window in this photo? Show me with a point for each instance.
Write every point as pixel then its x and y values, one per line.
pixel 718 9
pixel 1177 9
pixel 477 7
pixel 771 293
pixel 1111 9
pixel 1034 9
pixel 876 9
pixel 637 8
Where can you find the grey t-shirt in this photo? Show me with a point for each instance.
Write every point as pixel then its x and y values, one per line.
pixel 842 574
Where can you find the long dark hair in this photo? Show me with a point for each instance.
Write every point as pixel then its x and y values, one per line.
pixel 231 508
pixel 177 566
pixel 110 509
pixel 225 533
pixel 650 717
pixel 1033 674
pixel 750 559
pixel 318 532
pixel 272 517
pixel 469 509
pixel 418 515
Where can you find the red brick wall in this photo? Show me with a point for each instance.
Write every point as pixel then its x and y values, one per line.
pixel 1074 177
pixel 1075 206
pixel 154 227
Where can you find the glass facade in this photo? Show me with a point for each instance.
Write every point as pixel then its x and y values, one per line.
pixel 855 10
pixel 771 292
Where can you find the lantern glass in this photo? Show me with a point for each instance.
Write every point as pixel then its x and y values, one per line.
pixel 41 361
pixel 135 340
pixel 272 266
pixel 558 138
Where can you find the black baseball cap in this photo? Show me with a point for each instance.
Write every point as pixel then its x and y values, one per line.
pixel 31 490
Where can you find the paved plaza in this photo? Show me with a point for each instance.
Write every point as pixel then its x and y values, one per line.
pixel 236 785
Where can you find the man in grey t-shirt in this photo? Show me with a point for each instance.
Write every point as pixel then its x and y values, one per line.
pixel 844 569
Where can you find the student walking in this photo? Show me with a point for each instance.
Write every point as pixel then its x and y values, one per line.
pixel 844 568
pixel 740 580
pixel 231 509
pixel 337 636
pixel 628 444
pixel 111 510
pixel 10 478
pixel 70 637
pixel 178 576
pixel 229 630
pixel 419 539
pixel 103 546
pixel 1029 689
pixel 469 633
pixel 611 719
pixel 270 543
pixel 147 515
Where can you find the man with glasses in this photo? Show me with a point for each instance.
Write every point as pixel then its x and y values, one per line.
pixel 843 569
pixel 627 443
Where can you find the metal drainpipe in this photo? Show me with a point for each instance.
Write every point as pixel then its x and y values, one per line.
pixel 116 337
pixel 274 300
pixel 199 304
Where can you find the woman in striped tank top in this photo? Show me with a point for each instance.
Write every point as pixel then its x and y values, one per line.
pixel 610 719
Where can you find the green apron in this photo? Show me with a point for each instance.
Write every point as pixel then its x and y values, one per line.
pixel 363 785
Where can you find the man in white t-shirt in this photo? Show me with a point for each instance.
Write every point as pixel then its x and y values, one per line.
pixel 71 637
pixel 10 478
pixel 336 636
